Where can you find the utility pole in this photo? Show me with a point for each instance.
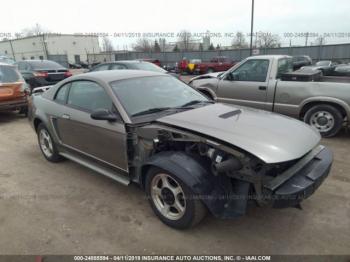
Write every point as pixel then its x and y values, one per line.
pixel 44 46
pixel 252 29
pixel 307 38
pixel 13 52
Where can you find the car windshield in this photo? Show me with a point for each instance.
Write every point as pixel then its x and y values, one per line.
pixel 8 74
pixel 147 93
pixel 45 65
pixel 323 63
pixel 147 67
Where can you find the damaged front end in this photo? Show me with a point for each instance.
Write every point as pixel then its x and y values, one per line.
pixel 225 178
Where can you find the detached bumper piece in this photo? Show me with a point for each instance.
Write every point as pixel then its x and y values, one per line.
pixel 301 180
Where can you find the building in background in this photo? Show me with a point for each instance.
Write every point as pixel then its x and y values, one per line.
pixel 206 42
pixel 62 48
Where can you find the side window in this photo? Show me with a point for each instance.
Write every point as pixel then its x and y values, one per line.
pixel 117 67
pixel 254 70
pixel 88 96
pixel 62 93
pixel 103 67
pixel 285 65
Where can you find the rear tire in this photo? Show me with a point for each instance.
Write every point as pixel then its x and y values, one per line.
pixel 327 119
pixel 47 144
pixel 172 200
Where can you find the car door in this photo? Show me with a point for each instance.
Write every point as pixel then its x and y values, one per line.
pixel 100 140
pixel 246 85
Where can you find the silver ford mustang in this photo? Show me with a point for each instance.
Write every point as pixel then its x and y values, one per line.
pixel 188 153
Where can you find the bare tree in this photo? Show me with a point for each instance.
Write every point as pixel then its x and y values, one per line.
pixel 107 45
pixel 185 40
pixel 156 47
pixel 267 40
pixel 35 30
pixel 18 35
pixel 239 41
pixel 320 41
pixel 143 45
pixel 176 48
pixel 211 47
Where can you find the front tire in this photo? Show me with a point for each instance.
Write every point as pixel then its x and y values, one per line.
pixel 327 119
pixel 23 111
pixel 172 200
pixel 47 144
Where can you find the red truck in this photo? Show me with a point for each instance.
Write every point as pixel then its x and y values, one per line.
pixel 217 64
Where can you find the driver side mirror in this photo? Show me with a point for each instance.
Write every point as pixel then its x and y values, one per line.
pixel 232 76
pixel 104 114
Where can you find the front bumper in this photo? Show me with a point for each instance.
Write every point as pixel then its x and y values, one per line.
pixel 301 180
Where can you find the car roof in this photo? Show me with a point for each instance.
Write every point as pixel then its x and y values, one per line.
pixel 5 64
pixel 115 75
pixel 269 56
pixel 38 61
pixel 126 62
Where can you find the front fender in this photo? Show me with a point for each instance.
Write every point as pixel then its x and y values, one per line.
pixel 212 190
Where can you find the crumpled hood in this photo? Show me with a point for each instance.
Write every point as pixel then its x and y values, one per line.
pixel 206 76
pixel 271 137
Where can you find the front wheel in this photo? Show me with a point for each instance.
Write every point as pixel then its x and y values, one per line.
pixel 327 119
pixel 172 200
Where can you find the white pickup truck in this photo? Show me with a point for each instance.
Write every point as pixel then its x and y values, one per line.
pixel 263 82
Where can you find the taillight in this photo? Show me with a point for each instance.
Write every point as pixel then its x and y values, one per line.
pixel 41 74
pixel 67 74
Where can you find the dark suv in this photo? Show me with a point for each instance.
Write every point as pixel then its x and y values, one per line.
pixel 300 61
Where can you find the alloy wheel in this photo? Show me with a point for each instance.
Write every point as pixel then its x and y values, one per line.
pixel 168 196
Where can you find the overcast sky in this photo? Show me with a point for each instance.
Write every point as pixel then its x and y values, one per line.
pixel 219 16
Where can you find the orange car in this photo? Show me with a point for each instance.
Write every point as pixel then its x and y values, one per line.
pixel 13 93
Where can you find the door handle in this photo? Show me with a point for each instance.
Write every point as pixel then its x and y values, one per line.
pixel 65 116
pixel 262 87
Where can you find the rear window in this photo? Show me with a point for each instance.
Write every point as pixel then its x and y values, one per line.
pixel 8 74
pixel 45 65
pixel 147 67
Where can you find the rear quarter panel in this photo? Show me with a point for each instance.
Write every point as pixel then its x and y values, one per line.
pixel 292 96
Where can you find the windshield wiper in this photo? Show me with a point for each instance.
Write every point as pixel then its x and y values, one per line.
pixel 194 102
pixel 159 109
pixel 151 111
